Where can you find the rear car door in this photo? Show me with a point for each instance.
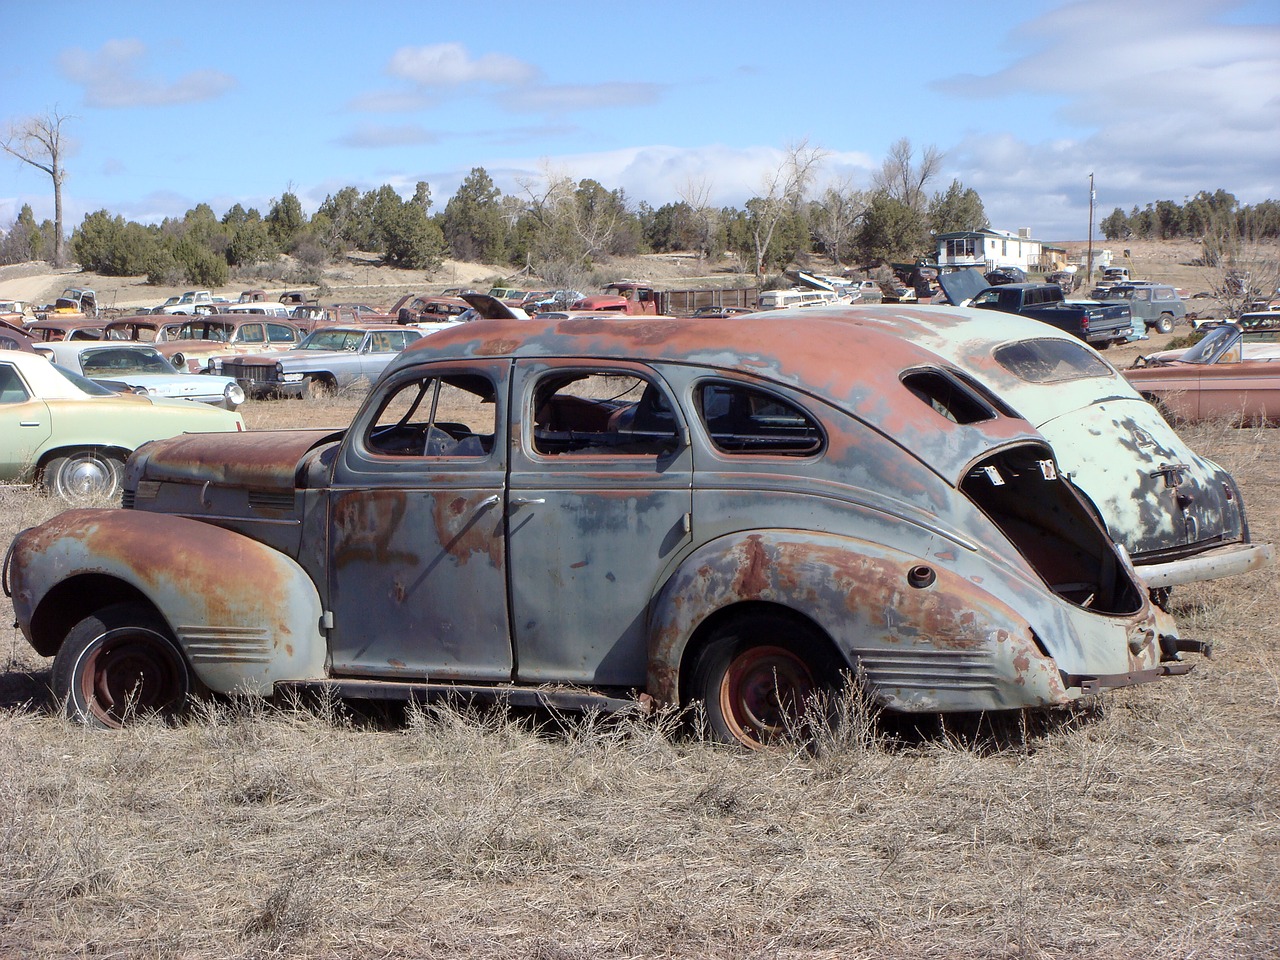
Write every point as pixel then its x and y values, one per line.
pixel 24 424
pixel 598 507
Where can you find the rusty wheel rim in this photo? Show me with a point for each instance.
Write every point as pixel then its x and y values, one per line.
pixel 763 694
pixel 131 673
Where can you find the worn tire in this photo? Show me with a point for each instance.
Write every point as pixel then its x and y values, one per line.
pixel 759 677
pixel 84 476
pixel 317 388
pixel 119 664
pixel 1164 323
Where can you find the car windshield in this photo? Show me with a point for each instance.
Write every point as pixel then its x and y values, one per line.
pixel 1211 347
pixel 84 383
pixel 1050 361
pixel 114 361
pixel 333 340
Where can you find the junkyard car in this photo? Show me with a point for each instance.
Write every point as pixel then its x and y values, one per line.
pixel 191 343
pixel 584 511
pixel 1233 373
pixel 73 435
pixel 1156 304
pixel 1180 516
pixel 141 368
pixel 328 359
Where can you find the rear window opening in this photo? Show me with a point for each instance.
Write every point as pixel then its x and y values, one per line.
pixel 1022 494
pixel 1050 361
pixel 955 399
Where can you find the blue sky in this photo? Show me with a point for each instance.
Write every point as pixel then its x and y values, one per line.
pixel 178 103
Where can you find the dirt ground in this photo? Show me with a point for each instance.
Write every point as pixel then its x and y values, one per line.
pixel 1145 826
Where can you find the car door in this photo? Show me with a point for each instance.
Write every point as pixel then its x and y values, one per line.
pixel 25 424
pixel 417 557
pixel 598 508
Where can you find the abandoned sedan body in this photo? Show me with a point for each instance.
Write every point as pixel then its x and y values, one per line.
pixel 1233 373
pixel 142 369
pixel 1180 516
pixel 579 511
pixel 330 358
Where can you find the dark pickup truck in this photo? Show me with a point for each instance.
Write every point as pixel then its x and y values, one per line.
pixel 1099 324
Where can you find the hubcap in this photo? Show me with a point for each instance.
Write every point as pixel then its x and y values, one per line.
pixel 131 673
pixel 764 692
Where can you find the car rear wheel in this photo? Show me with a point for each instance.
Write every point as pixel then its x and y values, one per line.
pixel 119 664
pixel 1164 323
pixel 84 476
pixel 761 680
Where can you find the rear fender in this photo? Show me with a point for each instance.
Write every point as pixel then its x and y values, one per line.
pixel 245 615
pixel 921 635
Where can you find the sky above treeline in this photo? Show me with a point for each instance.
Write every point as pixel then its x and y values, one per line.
pixel 173 104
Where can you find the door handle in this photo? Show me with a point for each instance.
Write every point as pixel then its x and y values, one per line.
pixel 522 501
pixel 29 423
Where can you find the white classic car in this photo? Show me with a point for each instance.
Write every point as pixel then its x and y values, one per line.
pixel 141 368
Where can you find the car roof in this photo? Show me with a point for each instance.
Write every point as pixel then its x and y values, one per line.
pixel 809 350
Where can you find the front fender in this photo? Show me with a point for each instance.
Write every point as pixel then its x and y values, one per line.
pixel 245 615
pixel 923 636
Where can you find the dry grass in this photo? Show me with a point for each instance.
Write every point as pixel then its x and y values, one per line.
pixel 1146 827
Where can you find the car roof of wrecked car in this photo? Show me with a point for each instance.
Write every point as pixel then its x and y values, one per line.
pixel 805 349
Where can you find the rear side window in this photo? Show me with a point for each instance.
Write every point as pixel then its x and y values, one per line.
pixel 12 389
pixel 604 413
pixel 745 420
pixel 1050 361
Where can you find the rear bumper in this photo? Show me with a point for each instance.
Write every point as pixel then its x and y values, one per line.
pixel 1225 561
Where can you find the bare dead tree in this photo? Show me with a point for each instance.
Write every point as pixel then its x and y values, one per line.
pixel 902 179
pixel 1244 266
pixel 782 190
pixel 696 194
pixel 835 215
pixel 38 141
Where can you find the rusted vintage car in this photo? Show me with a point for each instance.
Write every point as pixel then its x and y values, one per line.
pixel 189 344
pixel 1180 516
pixel 1232 374
pixel 589 512
pixel 329 359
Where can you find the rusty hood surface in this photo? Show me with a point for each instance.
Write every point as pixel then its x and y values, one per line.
pixel 257 460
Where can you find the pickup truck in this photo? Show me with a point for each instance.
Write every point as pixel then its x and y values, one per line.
pixel 1099 324
pixel 187 303
pixel 1157 305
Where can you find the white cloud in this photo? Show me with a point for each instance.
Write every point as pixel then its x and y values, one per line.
pixel 450 65
pixel 563 98
pixel 1169 99
pixel 111 78
pixel 656 174
pixel 376 136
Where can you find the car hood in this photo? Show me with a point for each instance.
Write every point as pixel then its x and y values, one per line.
pixel 258 460
pixel 961 286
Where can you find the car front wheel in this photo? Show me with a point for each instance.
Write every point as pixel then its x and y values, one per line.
pixel 84 476
pixel 118 664
pixel 760 679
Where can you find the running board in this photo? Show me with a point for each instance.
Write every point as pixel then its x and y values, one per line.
pixel 556 697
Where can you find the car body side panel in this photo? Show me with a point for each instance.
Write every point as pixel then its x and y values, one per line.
pixel 948 645
pixel 245 615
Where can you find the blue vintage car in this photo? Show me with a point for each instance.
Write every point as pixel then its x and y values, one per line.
pixel 589 512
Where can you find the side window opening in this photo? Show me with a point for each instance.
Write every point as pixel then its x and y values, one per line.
pixel 740 419
pixel 953 399
pixel 602 413
pixel 449 416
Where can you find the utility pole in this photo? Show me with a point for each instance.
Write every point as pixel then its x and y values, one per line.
pixel 1092 196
